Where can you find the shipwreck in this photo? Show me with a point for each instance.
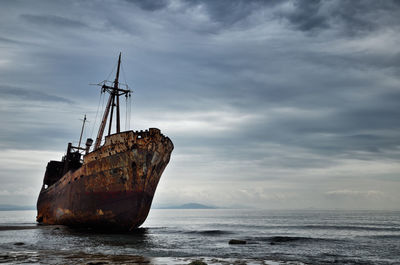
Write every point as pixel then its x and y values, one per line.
pixel 108 185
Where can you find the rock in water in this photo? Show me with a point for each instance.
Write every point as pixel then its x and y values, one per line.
pixel 197 262
pixel 237 242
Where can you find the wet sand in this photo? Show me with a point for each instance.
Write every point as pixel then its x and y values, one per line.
pixel 60 257
pixel 54 257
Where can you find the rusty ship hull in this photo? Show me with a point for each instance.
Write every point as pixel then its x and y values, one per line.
pixel 113 187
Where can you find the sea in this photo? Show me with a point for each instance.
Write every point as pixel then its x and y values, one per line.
pixel 171 236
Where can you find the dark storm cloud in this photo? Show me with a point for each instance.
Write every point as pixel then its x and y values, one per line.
pixel 8 41
pixel 229 12
pixel 353 17
pixel 32 117
pixel 36 136
pixel 369 125
pixel 52 20
pixel 28 94
pixel 305 16
pixel 150 5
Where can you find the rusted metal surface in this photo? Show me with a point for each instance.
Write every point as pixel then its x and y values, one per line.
pixel 113 188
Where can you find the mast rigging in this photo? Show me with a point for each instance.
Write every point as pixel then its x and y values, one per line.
pixel 113 101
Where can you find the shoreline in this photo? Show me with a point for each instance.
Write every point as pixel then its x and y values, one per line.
pixel 65 257
pixel 18 227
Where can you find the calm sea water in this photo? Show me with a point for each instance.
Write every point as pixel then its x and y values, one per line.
pixel 180 236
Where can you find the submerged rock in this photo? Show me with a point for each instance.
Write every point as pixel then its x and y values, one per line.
pixel 197 262
pixel 237 242
pixel 97 263
pixel 283 239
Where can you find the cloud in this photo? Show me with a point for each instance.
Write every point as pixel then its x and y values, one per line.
pixel 8 41
pixel 306 16
pixel 370 194
pixel 150 5
pixel 53 21
pixel 348 17
pixel 20 175
pixel 19 192
pixel 290 97
pixel 228 12
pixel 30 95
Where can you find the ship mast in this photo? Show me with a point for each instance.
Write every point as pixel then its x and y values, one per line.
pixel 83 126
pixel 113 101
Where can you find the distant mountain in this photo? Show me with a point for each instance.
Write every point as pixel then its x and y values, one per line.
pixel 187 206
pixel 195 206
pixel 9 207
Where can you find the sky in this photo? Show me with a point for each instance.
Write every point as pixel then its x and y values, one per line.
pixel 270 104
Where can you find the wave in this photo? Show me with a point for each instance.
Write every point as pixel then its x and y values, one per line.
pixel 175 230
pixel 209 232
pixel 282 239
pixel 332 227
pixel 347 227
pixel 288 239
pixel 385 237
pixel 367 227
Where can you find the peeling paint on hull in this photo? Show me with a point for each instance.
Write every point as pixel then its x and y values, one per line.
pixel 113 188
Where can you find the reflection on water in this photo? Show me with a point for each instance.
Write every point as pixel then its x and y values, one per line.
pixel 61 245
